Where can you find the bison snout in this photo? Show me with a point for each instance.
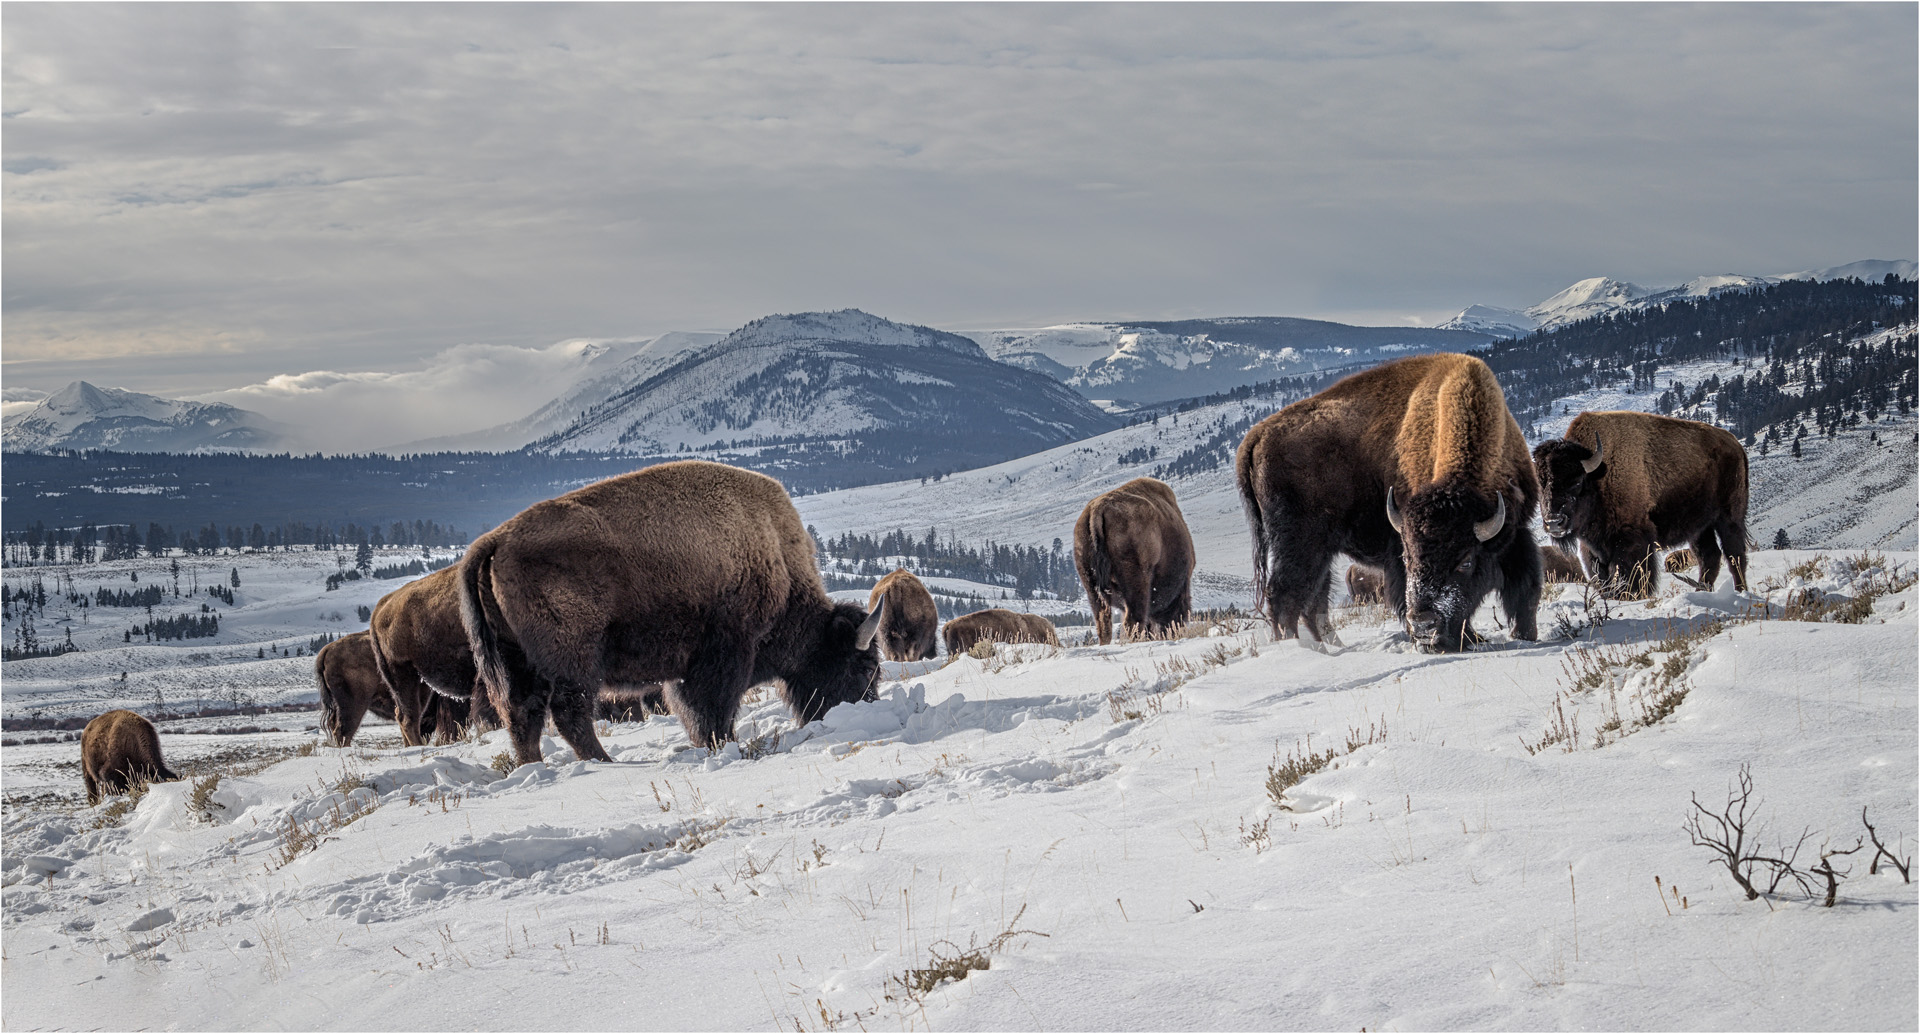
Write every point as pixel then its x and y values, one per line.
pixel 1423 625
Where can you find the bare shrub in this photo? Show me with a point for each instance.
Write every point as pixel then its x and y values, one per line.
pixel 948 961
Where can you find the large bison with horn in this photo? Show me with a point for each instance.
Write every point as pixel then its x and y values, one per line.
pixel 420 648
pixel 1622 484
pixel 1414 467
pixel 692 573
pixel 1134 553
pixel 908 631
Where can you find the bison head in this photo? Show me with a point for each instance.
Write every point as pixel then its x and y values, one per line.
pixel 1451 537
pixel 1570 476
pixel 844 666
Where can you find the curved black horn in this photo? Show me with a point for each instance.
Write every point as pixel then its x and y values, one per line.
pixel 1393 512
pixel 1592 463
pixel 1491 526
pixel 870 627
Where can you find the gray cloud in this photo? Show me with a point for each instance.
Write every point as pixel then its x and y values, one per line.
pixel 205 196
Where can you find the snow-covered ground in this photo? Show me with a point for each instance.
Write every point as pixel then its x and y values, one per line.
pixel 1095 819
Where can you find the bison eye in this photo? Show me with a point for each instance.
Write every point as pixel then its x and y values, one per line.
pixel 1466 566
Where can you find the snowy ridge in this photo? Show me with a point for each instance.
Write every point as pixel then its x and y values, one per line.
pixel 81 416
pixel 1599 295
pixel 827 375
pixel 1149 362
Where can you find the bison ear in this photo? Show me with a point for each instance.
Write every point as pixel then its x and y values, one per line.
pixel 863 638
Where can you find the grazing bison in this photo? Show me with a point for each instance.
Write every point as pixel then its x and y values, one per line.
pixel 692 573
pixel 1366 584
pixel 1560 566
pixel 420 647
pixel 999 626
pixel 1621 484
pixel 630 703
pixel 1134 551
pixel 117 750
pixel 351 687
pixel 1414 467
pixel 907 632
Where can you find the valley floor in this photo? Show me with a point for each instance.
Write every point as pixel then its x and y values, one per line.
pixel 1081 838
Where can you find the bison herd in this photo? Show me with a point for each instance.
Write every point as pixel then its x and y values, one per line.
pixel 680 587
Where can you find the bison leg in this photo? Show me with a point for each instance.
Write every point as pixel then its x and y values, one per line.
pixel 709 695
pixel 1102 618
pixel 573 719
pixel 1707 552
pixel 93 785
pixel 1300 573
pixel 1139 621
pixel 522 706
pixel 1733 539
pixel 1521 582
pixel 411 699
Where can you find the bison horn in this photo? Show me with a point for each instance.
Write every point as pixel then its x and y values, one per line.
pixel 1491 526
pixel 1393 512
pixel 870 627
pixel 1592 463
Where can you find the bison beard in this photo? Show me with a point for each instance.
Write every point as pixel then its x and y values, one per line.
pixel 694 574
pixel 1414 467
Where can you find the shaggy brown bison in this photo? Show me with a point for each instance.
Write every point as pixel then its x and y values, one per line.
pixel 421 649
pixel 690 573
pixel 117 750
pixel 351 687
pixel 1621 484
pixel 907 632
pixel 1560 566
pixel 1366 584
pixel 997 625
pixel 1414 467
pixel 1133 551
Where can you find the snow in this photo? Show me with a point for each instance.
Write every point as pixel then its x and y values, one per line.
pixel 1439 877
pixel 81 416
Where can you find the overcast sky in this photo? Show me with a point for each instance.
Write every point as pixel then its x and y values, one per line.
pixel 202 197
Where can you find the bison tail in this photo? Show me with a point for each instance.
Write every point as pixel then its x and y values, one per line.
pixel 1257 525
pixel 1099 565
pixel 478 612
pixel 379 657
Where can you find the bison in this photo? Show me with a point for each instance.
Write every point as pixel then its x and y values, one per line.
pixel 351 687
pixel 999 626
pixel 1622 483
pixel 907 632
pixel 1366 584
pixel 1560 566
pixel 421 650
pixel 118 750
pixel 693 573
pixel 1133 550
pixel 1414 467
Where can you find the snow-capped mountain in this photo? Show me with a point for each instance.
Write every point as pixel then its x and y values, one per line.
pixel 900 390
pixel 1157 361
pixel 1599 295
pixel 620 365
pixel 81 416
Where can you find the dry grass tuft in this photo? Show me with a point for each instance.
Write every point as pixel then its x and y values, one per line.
pixel 948 961
pixel 1284 774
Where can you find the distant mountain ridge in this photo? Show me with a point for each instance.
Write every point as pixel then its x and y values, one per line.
pixel 82 416
pixel 1160 360
pixel 1599 295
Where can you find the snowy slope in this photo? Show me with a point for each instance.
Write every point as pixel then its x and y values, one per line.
pixel 825 375
pixel 81 416
pixel 1095 819
pixel 1158 361
pixel 617 366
